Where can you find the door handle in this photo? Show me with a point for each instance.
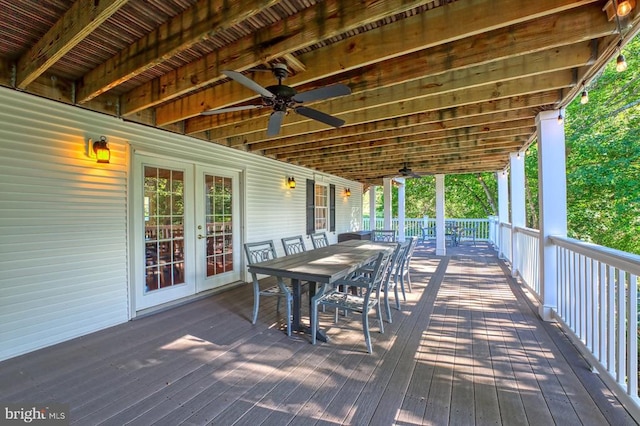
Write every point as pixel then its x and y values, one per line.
pixel 200 236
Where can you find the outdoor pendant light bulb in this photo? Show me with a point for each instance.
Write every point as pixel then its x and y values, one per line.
pixel 625 7
pixel 560 117
pixel 584 98
pixel 621 63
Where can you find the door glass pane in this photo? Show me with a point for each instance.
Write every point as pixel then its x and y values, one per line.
pixel 164 227
pixel 322 208
pixel 218 201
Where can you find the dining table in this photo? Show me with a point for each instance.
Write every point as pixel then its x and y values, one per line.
pixel 321 266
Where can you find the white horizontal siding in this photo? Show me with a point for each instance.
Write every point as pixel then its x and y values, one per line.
pixel 64 252
pixel 63 222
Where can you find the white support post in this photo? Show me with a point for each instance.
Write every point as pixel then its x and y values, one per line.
pixel 386 195
pixel 401 209
pixel 372 207
pixel 503 208
pixel 518 213
pixel 552 199
pixel 441 249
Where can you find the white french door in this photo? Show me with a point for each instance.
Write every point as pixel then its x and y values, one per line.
pixel 186 231
pixel 218 227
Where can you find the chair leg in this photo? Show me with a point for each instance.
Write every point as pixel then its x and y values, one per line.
pixel 395 292
pixel 404 295
pixel 314 320
pixel 256 301
pixel 379 315
pixel 386 303
pixel 365 329
pixel 289 302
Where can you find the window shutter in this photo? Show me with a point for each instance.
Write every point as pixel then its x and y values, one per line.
pixel 311 206
pixel 332 208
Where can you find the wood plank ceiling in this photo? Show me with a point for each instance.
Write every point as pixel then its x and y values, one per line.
pixel 441 86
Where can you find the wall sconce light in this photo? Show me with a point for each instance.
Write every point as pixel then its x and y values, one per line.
pixel 347 192
pixel 99 150
pixel 291 182
pixel 625 7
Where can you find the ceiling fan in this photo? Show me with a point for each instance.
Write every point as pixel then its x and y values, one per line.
pixel 282 98
pixel 406 171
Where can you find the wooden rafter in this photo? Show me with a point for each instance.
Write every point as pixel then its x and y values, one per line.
pixel 81 19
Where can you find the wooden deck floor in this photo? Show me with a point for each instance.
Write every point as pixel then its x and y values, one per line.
pixel 467 348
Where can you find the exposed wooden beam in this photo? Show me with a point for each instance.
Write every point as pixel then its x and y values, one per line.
pixel 425 163
pixel 378 89
pixel 417 147
pixel 395 104
pixel 520 39
pixel 485 122
pixel 195 25
pixel 466 115
pixel 447 166
pixel 405 143
pixel 310 26
pixel 79 21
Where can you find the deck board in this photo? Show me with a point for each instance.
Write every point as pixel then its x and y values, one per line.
pixel 467 348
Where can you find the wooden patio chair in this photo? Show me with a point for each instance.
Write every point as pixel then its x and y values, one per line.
pixel 319 239
pixel 259 252
pixel 383 235
pixel 293 245
pixel 368 299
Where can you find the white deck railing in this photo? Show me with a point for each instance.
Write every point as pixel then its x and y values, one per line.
pixel 413 227
pixel 597 301
pixel 527 260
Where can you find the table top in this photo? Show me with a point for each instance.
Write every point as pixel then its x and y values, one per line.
pixel 323 265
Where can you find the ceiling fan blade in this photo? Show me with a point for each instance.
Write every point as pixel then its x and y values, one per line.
pixel 319 116
pixel 231 109
pixel 245 81
pixel 275 121
pixel 323 93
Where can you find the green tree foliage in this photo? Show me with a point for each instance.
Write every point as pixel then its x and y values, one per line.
pixel 603 158
pixel 466 196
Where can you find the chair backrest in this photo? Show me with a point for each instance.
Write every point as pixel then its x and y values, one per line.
pixel 413 242
pixel 293 245
pixel 395 264
pixel 383 235
pixel 260 251
pixel 381 270
pixel 319 240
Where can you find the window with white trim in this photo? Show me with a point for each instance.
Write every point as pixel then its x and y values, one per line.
pixel 321 213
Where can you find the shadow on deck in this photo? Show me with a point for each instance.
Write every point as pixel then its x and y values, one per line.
pixel 466 348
